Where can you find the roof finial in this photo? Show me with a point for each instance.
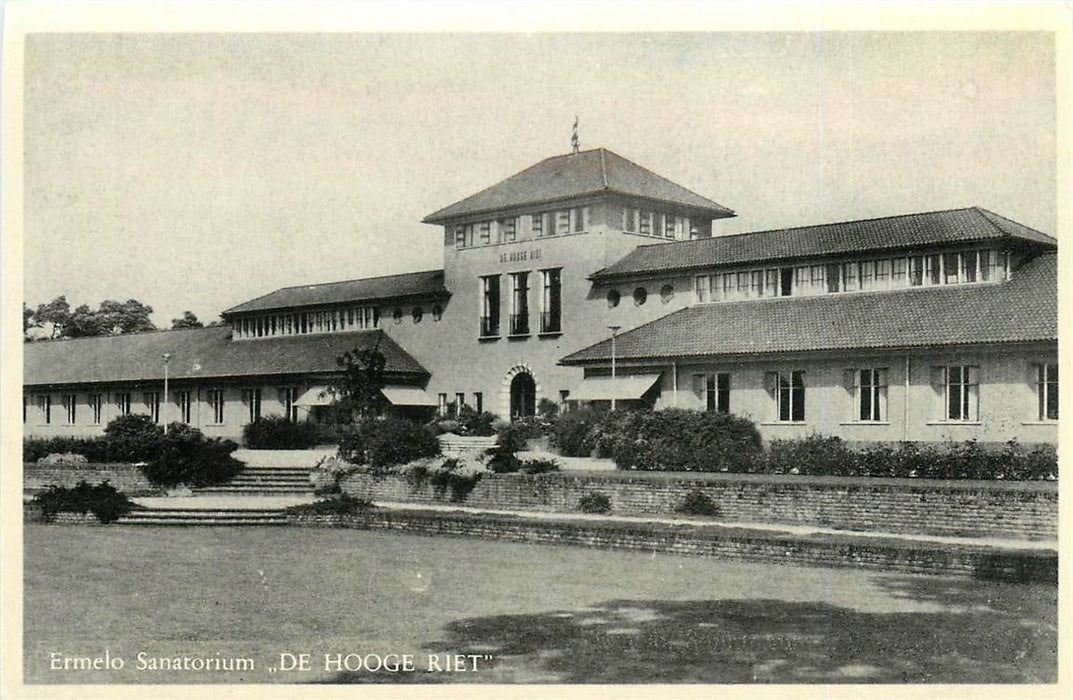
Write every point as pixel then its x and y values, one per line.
pixel 573 139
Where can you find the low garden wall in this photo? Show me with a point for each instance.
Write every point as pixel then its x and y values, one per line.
pixel 1016 510
pixel 127 478
pixel 727 543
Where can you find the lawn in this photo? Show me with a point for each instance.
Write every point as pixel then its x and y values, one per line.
pixel 528 613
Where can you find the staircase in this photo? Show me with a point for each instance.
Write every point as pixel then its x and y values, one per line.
pixel 205 516
pixel 264 481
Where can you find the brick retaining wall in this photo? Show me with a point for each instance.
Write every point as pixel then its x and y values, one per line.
pixel 124 477
pixel 910 557
pixel 1024 510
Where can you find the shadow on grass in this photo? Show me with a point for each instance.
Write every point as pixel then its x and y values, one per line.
pixel 979 637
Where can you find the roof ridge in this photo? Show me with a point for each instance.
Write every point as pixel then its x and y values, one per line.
pixel 987 214
pixel 603 166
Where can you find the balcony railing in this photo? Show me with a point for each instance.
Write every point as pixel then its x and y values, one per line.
pixel 550 322
pixel 519 324
pixel 489 326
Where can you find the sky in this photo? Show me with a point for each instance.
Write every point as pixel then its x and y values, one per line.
pixel 197 171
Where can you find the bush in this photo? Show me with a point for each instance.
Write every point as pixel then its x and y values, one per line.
pixel 103 500
pixel 388 441
pixel 595 502
pixel 571 435
pixel 93 449
pixel 815 454
pixel 697 503
pixel 472 423
pixel 681 440
pixel 450 477
pixel 133 438
pixel 187 457
pixel 279 433
pixel 538 466
pixel 344 504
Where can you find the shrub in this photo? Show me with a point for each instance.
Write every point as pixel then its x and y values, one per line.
pixel 133 438
pixel 103 500
pixel 697 503
pixel 681 440
pixel 472 423
pixel 548 409
pixel 187 457
pixel 595 502
pixel 815 454
pixel 93 449
pixel 279 433
pixel 510 439
pixel 344 504
pixel 388 441
pixel 571 435
pixel 538 466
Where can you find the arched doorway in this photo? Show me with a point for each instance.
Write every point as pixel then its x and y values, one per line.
pixel 522 396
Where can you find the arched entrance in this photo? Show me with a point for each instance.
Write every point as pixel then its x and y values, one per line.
pixel 522 396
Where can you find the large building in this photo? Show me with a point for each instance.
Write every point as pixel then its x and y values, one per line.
pixel 587 277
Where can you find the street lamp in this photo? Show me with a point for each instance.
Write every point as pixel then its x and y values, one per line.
pixel 614 332
pixel 166 356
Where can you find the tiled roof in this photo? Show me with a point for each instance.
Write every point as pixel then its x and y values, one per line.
pixel 1023 309
pixel 409 284
pixel 850 237
pixel 199 353
pixel 573 175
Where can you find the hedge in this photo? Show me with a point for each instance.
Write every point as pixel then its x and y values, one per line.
pixel 387 441
pixel 279 433
pixel 103 500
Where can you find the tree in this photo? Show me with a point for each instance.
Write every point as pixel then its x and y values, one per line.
pixel 188 320
pixel 130 316
pixel 55 313
pixel 357 392
pixel 28 321
pixel 83 322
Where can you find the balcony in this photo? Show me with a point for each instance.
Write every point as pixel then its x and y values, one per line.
pixel 489 327
pixel 550 322
pixel 519 324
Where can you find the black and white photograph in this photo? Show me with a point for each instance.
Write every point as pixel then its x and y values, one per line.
pixel 601 351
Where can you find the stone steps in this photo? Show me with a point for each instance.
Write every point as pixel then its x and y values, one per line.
pixel 264 481
pixel 205 517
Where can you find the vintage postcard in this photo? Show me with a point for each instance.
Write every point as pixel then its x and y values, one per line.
pixel 650 348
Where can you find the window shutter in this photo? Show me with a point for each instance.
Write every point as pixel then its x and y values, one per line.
pixel 849 379
pixel 771 381
pixel 881 376
pixel 938 378
pixel 972 374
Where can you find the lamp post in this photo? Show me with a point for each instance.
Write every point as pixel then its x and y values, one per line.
pixel 166 356
pixel 614 332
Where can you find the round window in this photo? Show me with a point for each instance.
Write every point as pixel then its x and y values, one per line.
pixel 640 296
pixel 666 293
pixel 437 312
pixel 613 298
pixel 397 315
pixel 417 313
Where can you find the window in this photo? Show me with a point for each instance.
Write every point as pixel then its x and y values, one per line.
pixel 478 402
pixel 959 387
pixel 869 390
pixel 519 304
pixel 789 391
pixel 508 230
pixel 183 398
pixel 932 269
pixel 613 298
pixel 69 406
pixel 868 278
pixel 416 313
pixel 152 405
pixel 437 313
pixel 396 315
pixel 640 296
pixel 1047 391
pixel 714 391
pixel 916 270
pixel 96 403
pixel 252 399
pixel 670 226
pixel 464 236
pixel 700 286
pixel 564 396
pixel 951 268
pixel 122 403
pixel 484 232
pixel 551 301
pixel 490 306
pixel 44 408
pixel 25 406
pixel 833 278
pixel 536 224
pixel 216 403
pixel 898 268
pixel 288 396
pixel 666 293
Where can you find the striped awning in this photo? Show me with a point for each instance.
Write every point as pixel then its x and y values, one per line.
pixel 408 396
pixel 619 388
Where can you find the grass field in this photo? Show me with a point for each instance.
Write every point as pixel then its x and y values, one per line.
pixel 540 613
